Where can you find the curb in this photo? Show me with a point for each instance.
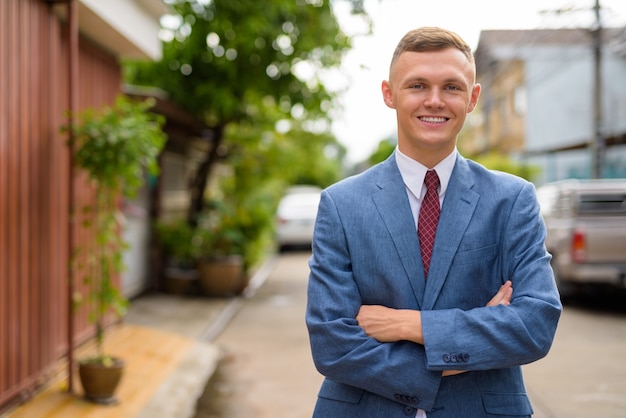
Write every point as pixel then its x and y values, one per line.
pixel 178 395
pixel 229 312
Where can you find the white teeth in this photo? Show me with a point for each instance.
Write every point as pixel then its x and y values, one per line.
pixel 433 119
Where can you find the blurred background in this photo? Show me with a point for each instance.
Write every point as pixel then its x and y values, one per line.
pixel 248 104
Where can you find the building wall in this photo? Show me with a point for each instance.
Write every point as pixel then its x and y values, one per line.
pixel 506 115
pixel 577 164
pixel 561 110
pixel 35 222
pixel 34 195
pixel 129 26
pixel 558 75
pixel 560 97
pixel 614 91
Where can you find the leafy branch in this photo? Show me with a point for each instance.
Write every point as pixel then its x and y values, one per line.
pixel 114 146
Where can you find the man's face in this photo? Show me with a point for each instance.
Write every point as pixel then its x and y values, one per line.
pixel 432 92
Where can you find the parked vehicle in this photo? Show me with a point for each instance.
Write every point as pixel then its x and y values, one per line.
pixel 586 232
pixel 295 217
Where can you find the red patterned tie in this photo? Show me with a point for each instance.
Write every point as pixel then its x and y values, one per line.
pixel 428 218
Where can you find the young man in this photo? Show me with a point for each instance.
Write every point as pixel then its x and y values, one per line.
pixel 400 328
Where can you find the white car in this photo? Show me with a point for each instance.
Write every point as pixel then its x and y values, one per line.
pixel 295 217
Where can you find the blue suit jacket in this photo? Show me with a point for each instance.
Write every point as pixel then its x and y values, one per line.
pixel 366 251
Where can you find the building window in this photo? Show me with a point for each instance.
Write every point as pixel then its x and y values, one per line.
pixel 520 100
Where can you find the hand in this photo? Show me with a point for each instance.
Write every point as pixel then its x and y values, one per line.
pixel 503 296
pixel 389 325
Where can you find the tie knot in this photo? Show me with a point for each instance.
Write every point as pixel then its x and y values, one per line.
pixel 431 180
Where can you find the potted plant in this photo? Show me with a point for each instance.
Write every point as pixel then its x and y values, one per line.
pixel 235 233
pixel 178 246
pixel 113 146
pixel 221 242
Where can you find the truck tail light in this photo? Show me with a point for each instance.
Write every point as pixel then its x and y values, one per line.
pixel 579 252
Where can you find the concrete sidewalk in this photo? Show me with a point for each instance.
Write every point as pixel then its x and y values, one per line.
pixel 202 320
pixel 167 344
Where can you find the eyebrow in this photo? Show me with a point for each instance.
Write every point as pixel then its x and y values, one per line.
pixel 419 79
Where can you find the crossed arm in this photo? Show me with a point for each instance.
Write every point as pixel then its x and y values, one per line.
pixel 391 325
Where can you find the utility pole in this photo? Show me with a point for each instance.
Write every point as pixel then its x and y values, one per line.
pixel 597 143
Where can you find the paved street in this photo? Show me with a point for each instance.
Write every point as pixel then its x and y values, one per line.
pixel 267 371
pixel 584 375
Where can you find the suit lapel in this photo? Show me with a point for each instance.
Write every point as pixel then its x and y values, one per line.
pixel 457 211
pixel 393 205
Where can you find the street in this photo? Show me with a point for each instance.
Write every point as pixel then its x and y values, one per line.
pixel 267 371
pixel 584 375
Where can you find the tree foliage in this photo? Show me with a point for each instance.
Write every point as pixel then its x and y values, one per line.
pixel 382 152
pixel 117 143
pixel 497 161
pixel 492 160
pixel 224 57
pixel 114 146
pixel 236 62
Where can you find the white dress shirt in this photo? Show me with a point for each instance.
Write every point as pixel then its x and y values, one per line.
pixel 413 174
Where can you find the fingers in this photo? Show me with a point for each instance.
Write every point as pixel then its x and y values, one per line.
pixel 503 296
pixel 452 372
pixel 390 325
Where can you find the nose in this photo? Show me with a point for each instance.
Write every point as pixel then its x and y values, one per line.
pixel 434 99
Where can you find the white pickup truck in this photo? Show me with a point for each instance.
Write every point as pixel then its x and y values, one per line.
pixel 586 232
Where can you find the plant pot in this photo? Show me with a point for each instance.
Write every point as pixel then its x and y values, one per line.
pixel 222 276
pixel 100 381
pixel 179 280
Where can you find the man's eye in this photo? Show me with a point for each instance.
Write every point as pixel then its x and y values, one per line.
pixel 417 86
pixel 452 88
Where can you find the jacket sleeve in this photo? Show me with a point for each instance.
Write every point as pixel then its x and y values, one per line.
pixel 503 336
pixel 341 349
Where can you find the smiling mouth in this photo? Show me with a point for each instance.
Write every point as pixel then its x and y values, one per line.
pixel 433 119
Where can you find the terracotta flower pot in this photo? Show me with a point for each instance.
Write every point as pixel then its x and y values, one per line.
pixel 222 276
pixel 180 281
pixel 100 381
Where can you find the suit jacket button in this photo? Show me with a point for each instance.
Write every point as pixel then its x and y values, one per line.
pixel 453 358
pixel 409 411
pixel 446 358
pixel 465 357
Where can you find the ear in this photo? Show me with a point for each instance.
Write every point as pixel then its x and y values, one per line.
pixel 387 96
pixel 474 98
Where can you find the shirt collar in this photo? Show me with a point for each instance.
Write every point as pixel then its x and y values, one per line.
pixel 413 173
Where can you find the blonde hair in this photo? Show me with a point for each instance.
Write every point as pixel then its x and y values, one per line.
pixel 428 39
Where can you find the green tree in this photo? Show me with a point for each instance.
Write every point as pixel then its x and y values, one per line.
pixel 261 164
pixel 231 62
pixel 498 161
pixel 492 160
pixel 384 150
